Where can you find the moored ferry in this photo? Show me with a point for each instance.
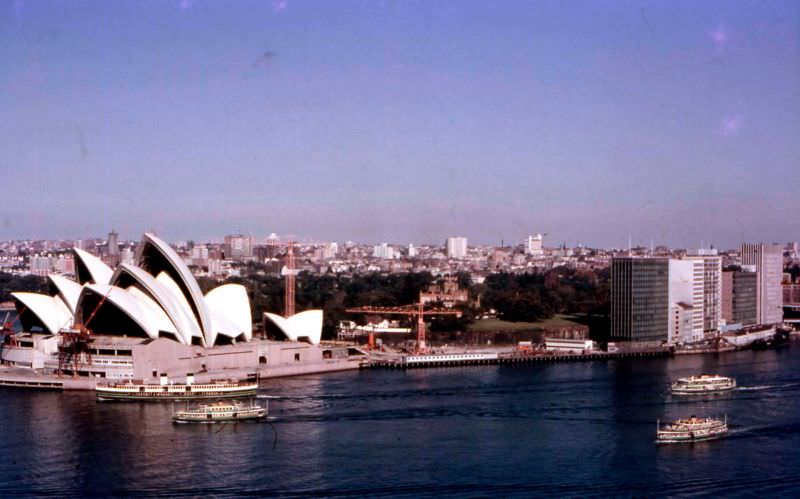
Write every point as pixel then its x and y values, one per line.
pixel 705 383
pixel 166 391
pixel 692 429
pixel 220 412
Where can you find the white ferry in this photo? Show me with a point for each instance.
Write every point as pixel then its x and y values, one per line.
pixel 691 429
pixel 705 383
pixel 220 412
pixel 166 391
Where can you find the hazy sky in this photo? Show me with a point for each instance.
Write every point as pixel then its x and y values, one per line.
pixel 402 121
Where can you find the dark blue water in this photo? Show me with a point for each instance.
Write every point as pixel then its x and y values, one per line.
pixel 571 429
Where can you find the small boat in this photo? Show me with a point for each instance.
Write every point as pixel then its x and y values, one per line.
pixel 166 391
pixel 220 412
pixel 705 383
pixel 779 339
pixel 692 429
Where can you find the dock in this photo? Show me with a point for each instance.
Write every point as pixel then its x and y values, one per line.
pixel 501 358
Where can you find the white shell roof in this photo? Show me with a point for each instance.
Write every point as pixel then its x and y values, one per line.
pixel 167 281
pixel 68 290
pixel 231 301
pixel 159 303
pixel 195 295
pixel 136 305
pixel 222 325
pixel 50 310
pixel 100 272
pixel 307 323
pixel 168 296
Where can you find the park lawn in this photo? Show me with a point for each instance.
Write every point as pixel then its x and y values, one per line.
pixel 557 320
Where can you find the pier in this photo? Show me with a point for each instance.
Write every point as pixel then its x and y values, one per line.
pixel 501 358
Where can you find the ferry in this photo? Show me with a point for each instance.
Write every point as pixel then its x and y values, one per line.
pixel 220 412
pixel 166 391
pixel 705 383
pixel 692 429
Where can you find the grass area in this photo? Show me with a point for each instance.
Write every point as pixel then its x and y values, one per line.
pixel 557 320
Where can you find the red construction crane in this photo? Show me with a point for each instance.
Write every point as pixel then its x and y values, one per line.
pixel 417 309
pixel 289 273
pixel 289 283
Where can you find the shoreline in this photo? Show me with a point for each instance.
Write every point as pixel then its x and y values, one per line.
pixel 16 377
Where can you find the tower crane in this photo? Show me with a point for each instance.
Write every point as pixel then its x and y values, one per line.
pixel 415 310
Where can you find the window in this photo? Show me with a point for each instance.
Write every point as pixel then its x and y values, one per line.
pixel 297 357
pixel 262 359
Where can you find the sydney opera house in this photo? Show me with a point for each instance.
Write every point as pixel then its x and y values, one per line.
pixel 150 319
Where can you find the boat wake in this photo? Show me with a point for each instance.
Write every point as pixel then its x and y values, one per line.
pixel 764 387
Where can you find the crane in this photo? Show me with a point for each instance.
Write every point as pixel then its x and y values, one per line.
pixel 289 273
pixel 415 310
pixel 75 341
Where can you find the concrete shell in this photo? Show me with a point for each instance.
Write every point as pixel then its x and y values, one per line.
pixel 136 305
pixel 68 290
pixel 51 310
pixel 231 301
pixel 99 272
pixel 305 324
pixel 175 305
pixel 154 252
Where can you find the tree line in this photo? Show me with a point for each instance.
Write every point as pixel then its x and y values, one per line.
pixel 513 297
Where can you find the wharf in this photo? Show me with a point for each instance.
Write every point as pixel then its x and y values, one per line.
pixel 16 377
pixel 501 358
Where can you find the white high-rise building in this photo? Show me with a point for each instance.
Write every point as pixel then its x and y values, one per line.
pixel 456 247
pixel 412 251
pixel 383 250
pixel 330 250
pixel 40 265
pixel 534 245
pixel 709 285
pixel 681 327
pixel 127 256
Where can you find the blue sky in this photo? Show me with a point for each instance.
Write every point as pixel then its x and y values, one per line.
pixel 676 122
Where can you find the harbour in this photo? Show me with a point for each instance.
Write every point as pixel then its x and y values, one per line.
pixel 423 432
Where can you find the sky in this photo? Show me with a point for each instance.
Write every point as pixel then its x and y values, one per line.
pixel 594 122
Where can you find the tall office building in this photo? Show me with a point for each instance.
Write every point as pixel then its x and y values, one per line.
pixel 383 250
pixel 708 289
pixel 412 251
pixel 682 325
pixel 656 299
pixel 768 261
pixel 238 247
pixel 113 243
pixel 745 296
pixel 456 247
pixel 534 245
pixel 640 299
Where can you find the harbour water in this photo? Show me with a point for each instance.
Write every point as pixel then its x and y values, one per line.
pixel 569 429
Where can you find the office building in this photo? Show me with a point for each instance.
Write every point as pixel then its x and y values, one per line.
pixel 238 247
pixel 640 299
pixel 456 247
pixel 383 250
pixel 708 289
pixel 683 327
pixel 768 262
pixel 534 245
pixel 113 243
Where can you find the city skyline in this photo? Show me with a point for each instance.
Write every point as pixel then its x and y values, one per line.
pixel 404 123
